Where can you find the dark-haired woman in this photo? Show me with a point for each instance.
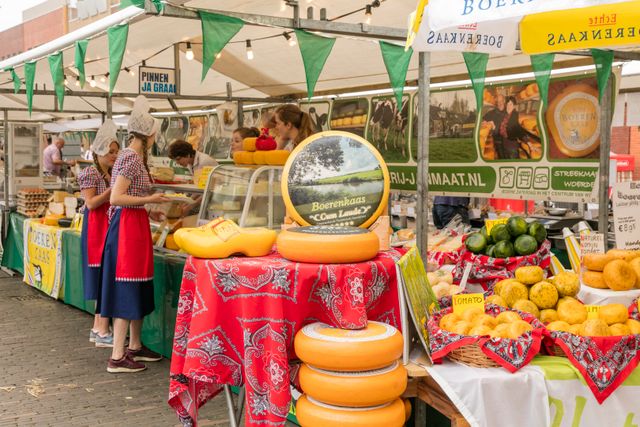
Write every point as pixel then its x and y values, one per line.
pixel 292 125
pixel 94 184
pixel 127 274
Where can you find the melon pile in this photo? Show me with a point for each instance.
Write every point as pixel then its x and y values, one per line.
pixel 611 320
pixel 475 322
pixel 618 270
pixel 529 291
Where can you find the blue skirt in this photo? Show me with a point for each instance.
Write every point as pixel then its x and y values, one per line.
pixel 131 300
pixel 90 275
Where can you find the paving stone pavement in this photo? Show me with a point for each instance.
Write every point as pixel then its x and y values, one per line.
pixel 51 375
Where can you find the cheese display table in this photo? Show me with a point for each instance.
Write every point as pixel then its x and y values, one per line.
pixel 237 318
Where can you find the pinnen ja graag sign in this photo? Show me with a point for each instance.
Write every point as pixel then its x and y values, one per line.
pixel 157 81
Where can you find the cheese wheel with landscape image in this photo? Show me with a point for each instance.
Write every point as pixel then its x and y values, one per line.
pixel 312 413
pixel 328 244
pixel 357 389
pixel 334 349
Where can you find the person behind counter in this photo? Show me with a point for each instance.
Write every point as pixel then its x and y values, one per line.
pixel 445 208
pixel 127 261
pixel 52 158
pixel 185 155
pixel 94 184
pixel 239 135
pixel 292 125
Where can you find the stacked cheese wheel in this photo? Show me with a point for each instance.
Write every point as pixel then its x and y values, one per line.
pixel 351 377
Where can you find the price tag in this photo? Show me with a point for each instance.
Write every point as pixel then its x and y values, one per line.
pixel 490 223
pixel 592 311
pixel 462 302
pixel 626 214
pixel 204 176
pixel 592 243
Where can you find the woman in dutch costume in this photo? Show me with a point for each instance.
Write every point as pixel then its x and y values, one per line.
pixel 127 276
pixel 94 184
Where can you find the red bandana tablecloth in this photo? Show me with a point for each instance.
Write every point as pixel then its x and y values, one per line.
pixel 237 318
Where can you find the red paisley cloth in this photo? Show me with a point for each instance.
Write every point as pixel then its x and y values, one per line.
pixel 488 271
pixel 237 318
pixel 604 362
pixel 98 224
pixel 510 354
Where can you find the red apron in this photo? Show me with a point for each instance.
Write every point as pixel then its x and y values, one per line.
pixel 135 247
pixel 97 225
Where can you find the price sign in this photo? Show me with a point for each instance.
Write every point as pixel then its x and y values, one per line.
pixel 626 214
pixel 592 311
pixel 462 302
pixel 592 243
pixel 204 176
pixel 490 223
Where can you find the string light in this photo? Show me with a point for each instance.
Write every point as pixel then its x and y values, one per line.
pixel 189 55
pixel 291 40
pixel 78 81
pixel 92 82
pixel 66 81
pixel 249 50
pixel 368 14
pixel 218 55
pixel 130 71
pixel 103 78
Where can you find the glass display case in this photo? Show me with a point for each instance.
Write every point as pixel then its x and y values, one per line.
pixel 248 195
pixel 25 151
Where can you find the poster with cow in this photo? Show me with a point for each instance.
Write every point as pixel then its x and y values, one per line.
pixel 388 128
pixel 319 113
pixel 350 115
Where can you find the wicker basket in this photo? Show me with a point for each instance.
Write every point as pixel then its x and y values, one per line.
pixel 472 355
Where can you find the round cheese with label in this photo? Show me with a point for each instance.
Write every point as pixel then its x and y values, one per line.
pixel 334 349
pixel 573 118
pixel 335 178
pixel 321 244
pixel 365 388
pixel 312 413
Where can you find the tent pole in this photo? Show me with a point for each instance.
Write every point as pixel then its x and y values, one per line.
pixel 176 67
pixel 422 181
pixel 109 108
pixel 6 209
pixel 605 148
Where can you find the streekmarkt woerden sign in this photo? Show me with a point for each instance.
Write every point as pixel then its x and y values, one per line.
pixel 592 27
pixel 452 13
pixel 157 81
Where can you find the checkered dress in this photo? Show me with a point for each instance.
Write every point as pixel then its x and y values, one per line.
pixel 130 165
pixel 90 178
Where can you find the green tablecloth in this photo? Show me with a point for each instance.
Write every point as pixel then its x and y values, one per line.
pixel 157 331
pixel 13 254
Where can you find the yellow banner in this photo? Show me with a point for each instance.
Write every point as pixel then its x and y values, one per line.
pixel 592 27
pixel 43 257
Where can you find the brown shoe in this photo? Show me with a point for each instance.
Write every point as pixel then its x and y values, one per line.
pixel 126 364
pixel 144 355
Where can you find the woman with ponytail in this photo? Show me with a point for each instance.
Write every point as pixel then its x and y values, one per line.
pixel 127 274
pixel 94 185
pixel 292 125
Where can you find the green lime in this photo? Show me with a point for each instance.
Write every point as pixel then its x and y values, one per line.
pixel 525 245
pixel 500 232
pixel 517 226
pixel 489 251
pixel 486 235
pixel 503 249
pixel 537 231
pixel 476 243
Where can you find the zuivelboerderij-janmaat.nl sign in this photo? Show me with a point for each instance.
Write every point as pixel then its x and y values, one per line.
pixel 157 81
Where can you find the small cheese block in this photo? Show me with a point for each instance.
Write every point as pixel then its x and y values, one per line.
pixel 312 413
pixel 276 157
pixel 249 144
pixel 170 243
pixel 324 244
pixel 357 389
pixel 334 349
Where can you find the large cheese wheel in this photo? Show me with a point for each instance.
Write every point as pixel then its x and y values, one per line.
pixel 243 158
pixel 276 157
pixel 311 413
pixel 334 349
pixel 328 244
pixel 259 157
pixel 358 389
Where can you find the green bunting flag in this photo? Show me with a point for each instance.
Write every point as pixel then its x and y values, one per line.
pixel 477 67
pixel 396 60
pixel 57 75
pixel 542 65
pixel 603 60
pixel 80 53
pixel 314 50
pixel 117 44
pixel 29 79
pixel 217 30
pixel 16 80
pixel 140 4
